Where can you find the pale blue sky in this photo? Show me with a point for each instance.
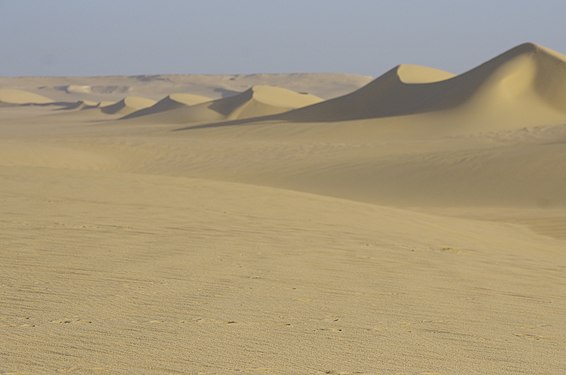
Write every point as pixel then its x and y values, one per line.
pixel 104 37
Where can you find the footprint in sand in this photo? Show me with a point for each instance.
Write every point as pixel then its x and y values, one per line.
pixel 529 336
pixel 450 250
pixel 70 321
pixel 328 329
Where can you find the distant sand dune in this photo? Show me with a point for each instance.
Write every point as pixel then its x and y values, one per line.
pixel 114 88
pixel 170 102
pixel 256 101
pixel 92 104
pixel 21 97
pixel 79 105
pixel 128 105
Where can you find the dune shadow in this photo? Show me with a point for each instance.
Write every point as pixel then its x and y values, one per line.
pixel 221 124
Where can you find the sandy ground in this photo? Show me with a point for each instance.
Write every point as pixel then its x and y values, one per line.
pixel 404 245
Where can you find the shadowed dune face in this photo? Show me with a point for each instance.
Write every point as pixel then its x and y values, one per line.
pixel 527 78
pixel 405 89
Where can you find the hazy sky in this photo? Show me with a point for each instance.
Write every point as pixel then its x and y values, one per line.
pixel 102 37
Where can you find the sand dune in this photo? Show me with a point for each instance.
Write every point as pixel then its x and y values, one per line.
pixel 172 101
pixel 261 101
pixel 15 96
pixel 254 102
pixel 128 105
pixel 526 84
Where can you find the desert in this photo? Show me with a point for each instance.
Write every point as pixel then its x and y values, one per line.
pixel 316 223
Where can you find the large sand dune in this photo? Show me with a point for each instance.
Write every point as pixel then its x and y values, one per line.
pixel 525 85
pixel 411 227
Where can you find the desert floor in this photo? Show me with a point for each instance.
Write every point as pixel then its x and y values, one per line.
pixel 279 248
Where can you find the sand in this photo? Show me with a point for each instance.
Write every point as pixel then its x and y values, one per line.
pixel 425 242
pixel 21 97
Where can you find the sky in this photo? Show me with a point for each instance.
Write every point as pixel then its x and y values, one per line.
pixel 127 37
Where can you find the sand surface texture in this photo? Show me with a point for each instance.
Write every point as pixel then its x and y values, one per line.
pixel 414 226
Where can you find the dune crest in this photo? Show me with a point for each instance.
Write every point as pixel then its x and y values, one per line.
pixel 413 74
pixel 21 97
